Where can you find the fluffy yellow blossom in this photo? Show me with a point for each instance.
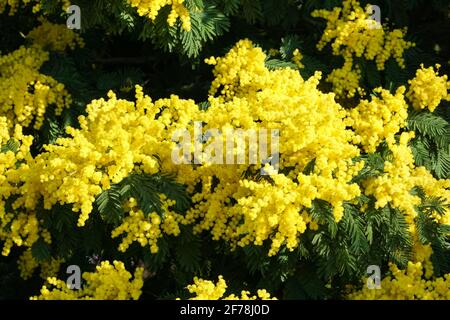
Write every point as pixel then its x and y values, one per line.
pixel 118 137
pixel 27 265
pixel 353 34
pixel 319 140
pixel 115 138
pixel 25 94
pixel 274 52
pixel 248 96
pixel 147 230
pixel 297 58
pixel 422 253
pixel 379 119
pixel 108 282
pixel 49 268
pixel 408 284
pixel 20 228
pixel 54 37
pixel 346 79
pixel 427 89
pixel 350 30
pixel 237 72
pixel 400 177
pixel 415 282
pixel 151 9
pixel 207 290
pixel 14 5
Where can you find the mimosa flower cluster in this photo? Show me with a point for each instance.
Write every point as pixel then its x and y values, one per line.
pixel 407 284
pixel 115 138
pixel 19 227
pixel 55 37
pixel 147 230
pixel 428 89
pixel 110 145
pixel 27 265
pixel 353 34
pixel 415 282
pixel 15 5
pixel 108 282
pixel 297 58
pixel 379 119
pixel 400 177
pixel 25 92
pixel 16 228
pixel 119 137
pixel 207 290
pixel 320 141
pixel 247 96
pixel 151 9
pixel 26 96
pixel 105 149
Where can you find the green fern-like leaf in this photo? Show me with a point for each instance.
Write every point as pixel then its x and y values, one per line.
pixel 109 204
pixel 11 145
pixel 188 251
pixel 427 124
pixel 40 250
pixel 273 64
pixel 354 227
pixel 144 190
